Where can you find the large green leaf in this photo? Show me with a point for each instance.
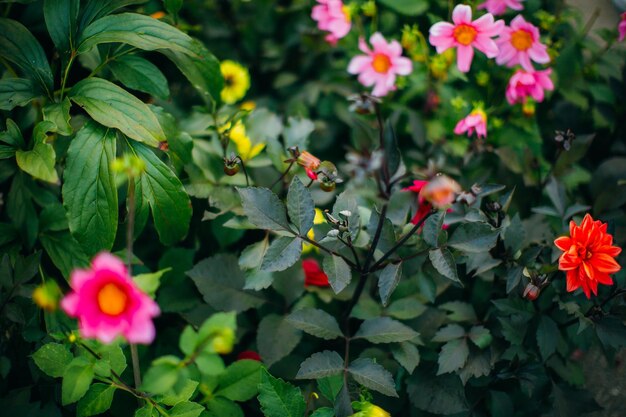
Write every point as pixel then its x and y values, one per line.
pixel 473 237
pixel 59 114
pixel 338 271
pixel 170 204
pixel 95 9
pixel 315 322
pixel 96 401
pixel 76 380
pixel 19 46
pixel 240 381
pixel 388 281
pixel 65 252
pixel 16 92
pixel 282 253
pixel 263 208
pixel 140 74
pixel 279 398
pixel 384 330
pixel 53 358
pixel 61 16
pixel 115 107
pixel 300 206
pixel 320 365
pixel 373 376
pixel 39 161
pixel 547 337
pixel 444 263
pixel 453 356
pixel 89 191
pixel 271 329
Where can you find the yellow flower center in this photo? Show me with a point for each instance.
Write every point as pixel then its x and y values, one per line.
pixel 481 113
pixel 112 299
pixel 521 40
pixel 381 63
pixel 464 34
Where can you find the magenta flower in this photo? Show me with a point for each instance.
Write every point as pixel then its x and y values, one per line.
pixel 621 28
pixel 108 304
pixel 380 65
pixel 332 16
pixel 528 83
pixel 476 121
pixel 519 44
pixel 498 7
pixel 465 35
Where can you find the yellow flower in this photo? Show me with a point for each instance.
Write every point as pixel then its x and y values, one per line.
pixel 47 295
pixel 318 219
pixel 245 149
pixel 370 410
pixel 236 81
pixel 248 105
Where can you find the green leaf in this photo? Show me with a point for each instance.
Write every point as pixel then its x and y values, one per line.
pixel 96 401
pixel 450 332
pixel 140 74
pixel 300 206
pixel 272 328
pixel 297 132
pixel 114 107
pixel 443 261
pixel 16 92
pixel 453 356
pixel 384 330
pixel 223 407
pixel 76 380
pixel 114 356
pixel 147 410
pixel 315 322
pixel 149 282
pixel 330 386
pixel 59 114
pixel 19 46
pixel 407 7
pixel 252 256
pixel 547 337
pixel 282 253
pixel 437 395
pixel 221 282
pixel 392 152
pixel 161 376
pixel 39 162
pixel 53 358
pixel 388 281
pixel 186 409
pixel 169 203
pixel 481 336
pixel 324 412
pixel 373 376
pixel 173 6
pixel 173 398
pixel 61 16
pixel 459 311
pixel 279 398
pixel 320 365
pixel 473 237
pixel 12 136
pixel 240 380
pixel 95 9
pixel 338 271
pixel 65 252
pixel 263 208
pixel 432 228
pixel 89 191
pixel 406 308
pixel 407 355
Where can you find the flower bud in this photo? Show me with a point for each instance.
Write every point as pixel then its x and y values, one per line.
pixel 47 296
pixel 440 192
pixel 309 162
pixel 231 169
pixel 367 409
pixel 531 292
pixel 223 341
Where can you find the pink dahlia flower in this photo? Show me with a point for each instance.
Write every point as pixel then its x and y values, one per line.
pixel 108 304
pixel 465 35
pixel 476 121
pixel 520 43
pixel 332 16
pixel 528 83
pixel 622 27
pixel 380 65
pixel 498 7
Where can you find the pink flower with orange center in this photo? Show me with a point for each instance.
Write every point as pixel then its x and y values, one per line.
pixel 524 84
pixel 440 192
pixel 520 44
pixel 465 35
pixel 108 303
pixel 588 256
pixel 380 65
pixel 334 17
pixel 498 7
pixel 621 28
pixel 475 122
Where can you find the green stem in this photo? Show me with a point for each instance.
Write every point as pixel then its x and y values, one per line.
pixel 66 73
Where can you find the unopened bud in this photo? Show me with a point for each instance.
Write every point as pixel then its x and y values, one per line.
pixel 531 292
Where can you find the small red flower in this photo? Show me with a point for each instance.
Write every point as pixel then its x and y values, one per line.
pixel 589 256
pixel 313 274
pixel 423 206
pixel 249 354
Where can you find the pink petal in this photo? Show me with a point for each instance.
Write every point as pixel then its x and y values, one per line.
pixel 524 61
pixel 359 63
pixel 442 29
pixel 403 66
pixel 487 46
pixel 442 43
pixel 465 55
pixel 69 304
pixel 539 54
pixel 105 260
pixel 462 14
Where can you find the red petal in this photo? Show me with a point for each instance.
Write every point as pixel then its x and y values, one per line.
pixel 604 263
pixel 563 243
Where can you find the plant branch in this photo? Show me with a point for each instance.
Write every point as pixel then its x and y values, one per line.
pixel 325 249
pixel 282 175
pixel 595 308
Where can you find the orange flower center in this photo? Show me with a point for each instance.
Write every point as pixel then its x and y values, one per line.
pixel 112 299
pixel 381 63
pixel 521 40
pixel 464 34
pixel 583 252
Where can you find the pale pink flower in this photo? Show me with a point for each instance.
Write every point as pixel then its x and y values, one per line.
pixel 498 7
pixel 441 191
pixel 622 27
pixel 465 35
pixel 380 65
pixel 334 17
pixel 476 121
pixel 108 303
pixel 520 43
pixel 528 83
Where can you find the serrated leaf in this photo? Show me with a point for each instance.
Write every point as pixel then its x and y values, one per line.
pixel 373 376
pixel 52 359
pixel 252 256
pixel 275 328
pixel 96 401
pixel 384 330
pixel 338 271
pixel 282 253
pixel 279 398
pixel 459 311
pixel 263 208
pixel 473 237
pixel 547 337
pixel 222 407
pixel 300 206
pixel 481 336
pixel 432 228
pixel 320 365
pixel 186 409
pixel 407 355
pixel 437 395
pixel 444 263
pixel 388 281
pixel 315 322
pixel 76 380
pixel 240 381
pixel 449 332
pixel 161 376
pixel 453 356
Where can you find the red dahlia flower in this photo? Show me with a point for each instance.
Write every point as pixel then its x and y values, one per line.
pixel 589 255
pixel 313 274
